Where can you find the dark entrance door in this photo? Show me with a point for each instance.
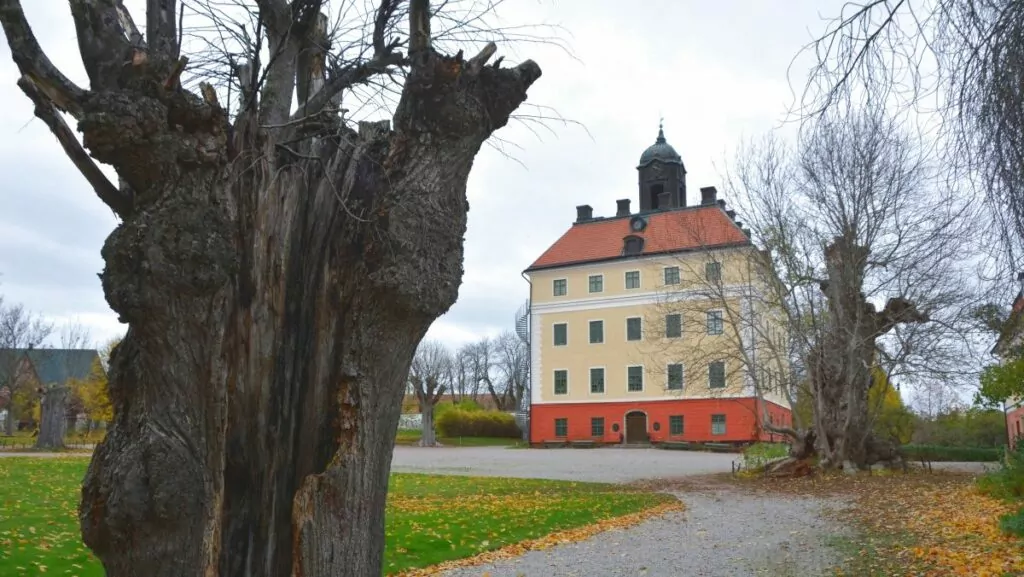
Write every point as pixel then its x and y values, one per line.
pixel 636 427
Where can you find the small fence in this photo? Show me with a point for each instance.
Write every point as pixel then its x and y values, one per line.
pixel 29 444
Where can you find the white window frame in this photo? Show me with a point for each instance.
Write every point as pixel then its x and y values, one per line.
pixel 553 325
pixel 680 315
pixel 589 284
pixel 721 319
pixel 725 376
pixel 639 280
pixel 715 262
pixel 604 336
pixel 590 380
pixel 682 384
pixel 679 276
pixel 554 380
pixel 626 326
pixel 643 379
pixel 553 281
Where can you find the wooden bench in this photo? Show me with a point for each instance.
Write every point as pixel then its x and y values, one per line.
pixel 676 445
pixel 553 444
pixel 585 444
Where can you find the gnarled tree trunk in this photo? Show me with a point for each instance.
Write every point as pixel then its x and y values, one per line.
pixel 429 436
pixel 277 272
pixel 840 365
pixel 52 417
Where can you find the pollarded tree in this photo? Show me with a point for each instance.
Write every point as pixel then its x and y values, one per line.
pixel 430 376
pixel 866 270
pixel 276 268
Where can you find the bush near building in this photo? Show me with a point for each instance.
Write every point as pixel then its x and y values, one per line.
pixel 457 422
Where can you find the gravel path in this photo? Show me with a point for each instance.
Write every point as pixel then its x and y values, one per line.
pixel 722 533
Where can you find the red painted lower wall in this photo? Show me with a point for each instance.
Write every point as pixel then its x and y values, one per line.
pixel 742 422
pixel 1015 425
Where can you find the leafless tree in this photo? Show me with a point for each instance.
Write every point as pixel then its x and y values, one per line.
pixel 55 399
pixel 870 263
pixel 430 376
pixel 276 266
pixel 480 359
pixel 511 356
pixel 959 62
pixel 19 330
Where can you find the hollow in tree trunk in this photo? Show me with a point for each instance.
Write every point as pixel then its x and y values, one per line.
pixel 276 272
pixel 52 417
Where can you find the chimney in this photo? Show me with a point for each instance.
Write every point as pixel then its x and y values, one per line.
pixel 622 207
pixel 708 195
pixel 731 214
pixel 664 200
pixel 745 231
pixel 584 212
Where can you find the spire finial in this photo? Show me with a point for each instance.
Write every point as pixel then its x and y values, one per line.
pixel 661 130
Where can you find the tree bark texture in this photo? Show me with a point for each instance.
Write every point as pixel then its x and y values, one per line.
pixel 275 286
pixel 53 417
pixel 429 437
pixel 840 364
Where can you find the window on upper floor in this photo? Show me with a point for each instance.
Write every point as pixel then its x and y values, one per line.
pixel 635 379
pixel 561 334
pixel 632 279
pixel 561 382
pixel 671 275
pixel 597 380
pixel 634 329
pixel 675 377
pixel 716 375
pixel 596 332
pixel 559 287
pixel 596 283
pixel 673 326
pixel 713 271
pixel 715 323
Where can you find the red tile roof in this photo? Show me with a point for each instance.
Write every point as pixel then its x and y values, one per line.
pixel 668 231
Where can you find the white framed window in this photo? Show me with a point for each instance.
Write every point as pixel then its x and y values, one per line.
pixel 713 271
pixel 596 332
pixel 596 283
pixel 716 375
pixel 597 380
pixel 671 275
pixel 632 279
pixel 560 333
pixel 673 326
pixel 635 379
pixel 560 287
pixel 561 381
pixel 716 324
pixel 675 377
pixel 634 329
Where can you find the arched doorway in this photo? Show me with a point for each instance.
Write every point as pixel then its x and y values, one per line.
pixel 636 427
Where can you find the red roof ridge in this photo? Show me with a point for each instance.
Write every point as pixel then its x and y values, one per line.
pixel 667 231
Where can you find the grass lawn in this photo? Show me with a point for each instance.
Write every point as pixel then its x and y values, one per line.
pixel 430 519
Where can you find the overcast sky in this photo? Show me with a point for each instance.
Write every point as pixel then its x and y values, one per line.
pixel 716 71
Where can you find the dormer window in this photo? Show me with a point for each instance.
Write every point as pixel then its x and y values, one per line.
pixel 633 244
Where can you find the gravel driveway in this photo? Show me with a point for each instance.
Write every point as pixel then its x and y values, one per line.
pixel 723 532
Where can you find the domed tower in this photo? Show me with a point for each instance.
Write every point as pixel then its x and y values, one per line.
pixel 662 176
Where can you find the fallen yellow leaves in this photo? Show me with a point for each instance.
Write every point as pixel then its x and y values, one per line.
pixel 552 540
pixel 953 528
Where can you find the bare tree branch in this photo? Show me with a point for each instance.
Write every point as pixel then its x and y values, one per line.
pixel 33 62
pixel 120 201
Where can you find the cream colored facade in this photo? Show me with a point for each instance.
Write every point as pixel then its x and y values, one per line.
pixel 562 299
